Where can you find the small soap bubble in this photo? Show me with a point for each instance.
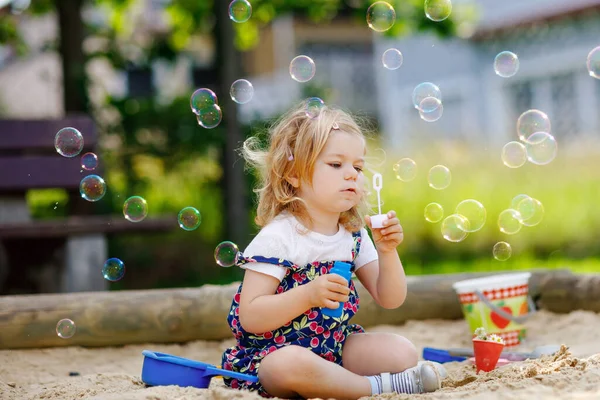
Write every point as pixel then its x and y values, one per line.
pixel 455 228
pixel 92 188
pixel 424 90
pixel 541 148
pixel 314 105
pixel 302 69
pixel 210 117
pixel 135 209
pixel 593 63
pixel 405 169
pixel 531 210
pixel 439 177
pixel 392 59
pixel 189 218
pixel 227 254
pixel 113 269
pixel 502 251
pixel 381 16
pixel 514 154
pixel 532 121
pixel 438 10
pixel 65 328
pixel 431 109
pixel 510 221
pixel 506 64
pixel 202 98
pixel 68 142
pixel 434 212
pixel 241 91
pixel 474 212
pixel 240 10
pixel 89 161
pixel 514 203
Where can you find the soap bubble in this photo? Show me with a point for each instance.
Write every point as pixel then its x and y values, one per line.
pixel 474 212
pixel 113 270
pixel 514 154
pixel 431 109
pixel 392 59
pixel 240 10
pixel 405 169
pixel 438 10
pixel 502 251
pixel 532 121
pixel 455 228
pixel 68 142
pixel 510 221
pixel 424 90
pixel 135 209
pixel 434 212
pixel 227 254
pixel 241 91
pixel 541 148
pixel 209 117
pixel 439 177
pixel 381 16
pixel 506 64
pixel 302 69
pixel 65 328
pixel 514 203
pixel 92 188
pixel 189 218
pixel 202 98
pixel 593 63
pixel 89 161
pixel 314 105
pixel 531 210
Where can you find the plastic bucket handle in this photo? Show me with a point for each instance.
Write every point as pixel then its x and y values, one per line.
pixel 519 319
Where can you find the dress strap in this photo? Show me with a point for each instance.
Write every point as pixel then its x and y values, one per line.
pixel 357 237
pixel 267 260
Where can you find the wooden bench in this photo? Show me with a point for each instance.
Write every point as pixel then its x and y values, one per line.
pixel 63 254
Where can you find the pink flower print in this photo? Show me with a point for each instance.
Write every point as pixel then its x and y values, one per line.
pixel 354 308
pixel 326 334
pixel 268 335
pixel 234 322
pixel 313 314
pixel 297 277
pixel 235 384
pixel 280 339
pixel 280 289
pixel 271 349
pixel 347 305
pixel 234 352
pixel 329 356
pixel 319 330
pixel 323 270
pixel 314 342
pixel 236 312
pixel 338 336
pixel 236 298
pixel 313 326
pixel 288 323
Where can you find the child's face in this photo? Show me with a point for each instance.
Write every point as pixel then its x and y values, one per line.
pixel 338 180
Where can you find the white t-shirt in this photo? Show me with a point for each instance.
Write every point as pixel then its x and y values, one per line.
pixel 285 237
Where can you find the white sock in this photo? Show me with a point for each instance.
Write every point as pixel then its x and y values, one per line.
pixel 402 382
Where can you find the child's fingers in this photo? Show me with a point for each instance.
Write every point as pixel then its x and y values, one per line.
pixel 392 221
pixel 391 214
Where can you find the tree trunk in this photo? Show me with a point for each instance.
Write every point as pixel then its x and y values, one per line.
pixel 234 182
pixel 181 315
pixel 71 28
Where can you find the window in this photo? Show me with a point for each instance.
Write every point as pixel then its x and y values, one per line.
pixel 565 116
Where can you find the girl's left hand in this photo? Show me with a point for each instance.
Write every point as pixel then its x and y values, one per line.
pixel 390 236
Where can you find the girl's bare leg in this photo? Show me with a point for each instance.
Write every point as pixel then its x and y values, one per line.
pixel 294 371
pixel 373 353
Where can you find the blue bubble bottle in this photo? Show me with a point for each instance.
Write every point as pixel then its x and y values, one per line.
pixel 342 269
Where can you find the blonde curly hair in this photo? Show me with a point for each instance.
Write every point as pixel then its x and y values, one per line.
pixel 296 134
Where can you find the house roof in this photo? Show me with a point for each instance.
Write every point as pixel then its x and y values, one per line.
pixel 498 16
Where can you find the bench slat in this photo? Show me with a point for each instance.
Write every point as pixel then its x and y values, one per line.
pixel 38 172
pixel 17 135
pixel 85 225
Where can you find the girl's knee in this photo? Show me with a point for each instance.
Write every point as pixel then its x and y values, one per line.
pixel 408 352
pixel 275 369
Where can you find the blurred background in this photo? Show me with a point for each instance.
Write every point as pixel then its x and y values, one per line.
pixel 132 66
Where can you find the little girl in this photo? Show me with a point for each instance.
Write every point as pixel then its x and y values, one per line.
pixel 312 212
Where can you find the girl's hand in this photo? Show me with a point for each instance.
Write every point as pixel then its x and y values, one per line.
pixel 390 236
pixel 328 291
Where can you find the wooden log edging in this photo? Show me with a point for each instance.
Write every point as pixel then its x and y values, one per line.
pixel 181 315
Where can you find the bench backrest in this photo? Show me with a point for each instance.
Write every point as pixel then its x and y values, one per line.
pixel 28 159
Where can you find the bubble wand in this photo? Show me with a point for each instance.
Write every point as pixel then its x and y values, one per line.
pixel 377 220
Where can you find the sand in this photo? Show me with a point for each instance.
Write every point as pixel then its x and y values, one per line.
pixel 114 373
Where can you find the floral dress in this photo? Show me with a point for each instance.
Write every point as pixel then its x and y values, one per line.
pixel 321 334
